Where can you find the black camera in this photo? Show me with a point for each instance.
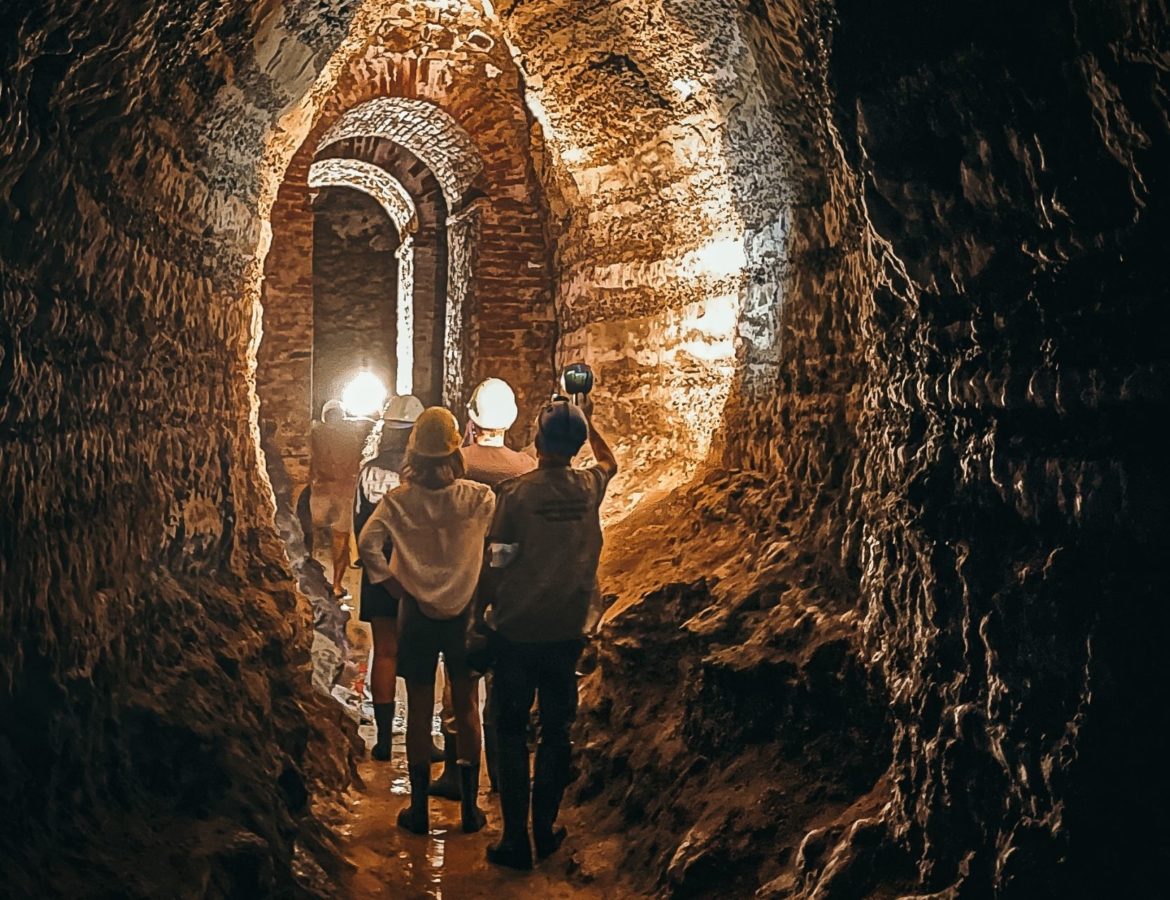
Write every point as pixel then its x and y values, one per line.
pixel 577 379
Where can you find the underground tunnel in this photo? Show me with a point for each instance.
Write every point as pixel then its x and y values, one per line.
pixel 875 298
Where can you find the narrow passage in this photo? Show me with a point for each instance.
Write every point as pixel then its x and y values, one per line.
pixel 392 863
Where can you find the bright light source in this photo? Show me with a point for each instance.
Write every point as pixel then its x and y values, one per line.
pixel 364 396
pixel 718 259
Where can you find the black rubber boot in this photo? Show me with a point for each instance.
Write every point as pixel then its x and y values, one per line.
pixel 438 754
pixel 472 816
pixel 384 721
pixel 447 784
pixel 513 854
pixel 491 738
pixel 549 843
pixel 491 752
pixel 513 850
pixel 416 818
pixel 549 777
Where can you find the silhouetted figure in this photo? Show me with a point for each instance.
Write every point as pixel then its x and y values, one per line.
pixel 336 455
pixel 545 543
pixel 491 412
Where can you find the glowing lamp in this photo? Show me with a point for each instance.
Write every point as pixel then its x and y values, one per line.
pixel 364 396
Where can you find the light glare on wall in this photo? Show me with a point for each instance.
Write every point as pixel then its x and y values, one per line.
pixel 364 396
pixel 685 87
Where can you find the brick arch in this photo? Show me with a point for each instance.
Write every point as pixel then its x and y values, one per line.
pixel 504 323
pixel 359 175
pixel 432 276
pixel 369 179
pixel 424 129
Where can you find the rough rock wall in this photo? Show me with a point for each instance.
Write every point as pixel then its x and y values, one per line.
pixel 665 172
pixel 1014 169
pixel 155 684
pixel 946 372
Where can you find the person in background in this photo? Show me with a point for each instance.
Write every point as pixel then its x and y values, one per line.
pixel 336 454
pixel 435 522
pixel 536 596
pixel 378 607
pixel 491 412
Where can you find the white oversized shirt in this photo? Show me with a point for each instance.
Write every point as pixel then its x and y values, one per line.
pixel 437 538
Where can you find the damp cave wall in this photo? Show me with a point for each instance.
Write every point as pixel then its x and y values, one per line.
pixel 154 654
pixel 1013 166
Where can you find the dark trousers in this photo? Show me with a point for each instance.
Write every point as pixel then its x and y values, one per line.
pixel 546 673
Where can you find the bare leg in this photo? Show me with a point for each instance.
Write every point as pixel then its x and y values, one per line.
pixel 384 675
pixel 419 708
pixel 465 697
pixel 340 559
pixel 419 694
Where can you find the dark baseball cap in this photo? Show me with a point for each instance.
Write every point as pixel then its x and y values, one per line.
pixel 561 429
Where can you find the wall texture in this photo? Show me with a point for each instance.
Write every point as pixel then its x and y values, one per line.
pixel 159 733
pixel 875 297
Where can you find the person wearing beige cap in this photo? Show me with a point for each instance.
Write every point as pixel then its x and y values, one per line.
pixel 434 525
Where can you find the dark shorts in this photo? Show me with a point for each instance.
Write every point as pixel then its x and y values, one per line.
pixel 421 639
pixel 376 602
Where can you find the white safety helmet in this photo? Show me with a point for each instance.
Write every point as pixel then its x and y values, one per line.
pixel 331 406
pixel 493 405
pixel 402 412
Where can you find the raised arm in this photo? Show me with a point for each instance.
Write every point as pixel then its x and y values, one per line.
pixel 606 461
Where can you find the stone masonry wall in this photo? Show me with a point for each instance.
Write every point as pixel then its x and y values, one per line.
pixel 284 359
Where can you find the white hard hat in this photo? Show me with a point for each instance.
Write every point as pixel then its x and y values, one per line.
pixel 493 405
pixel 402 412
pixel 331 406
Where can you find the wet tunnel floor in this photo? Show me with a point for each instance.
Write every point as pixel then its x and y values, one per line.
pixel 447 863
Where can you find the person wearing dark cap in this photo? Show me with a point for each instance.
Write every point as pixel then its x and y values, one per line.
pixel 535 596
pixel 378 477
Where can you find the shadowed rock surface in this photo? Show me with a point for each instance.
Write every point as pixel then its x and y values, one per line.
pixel 876 296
